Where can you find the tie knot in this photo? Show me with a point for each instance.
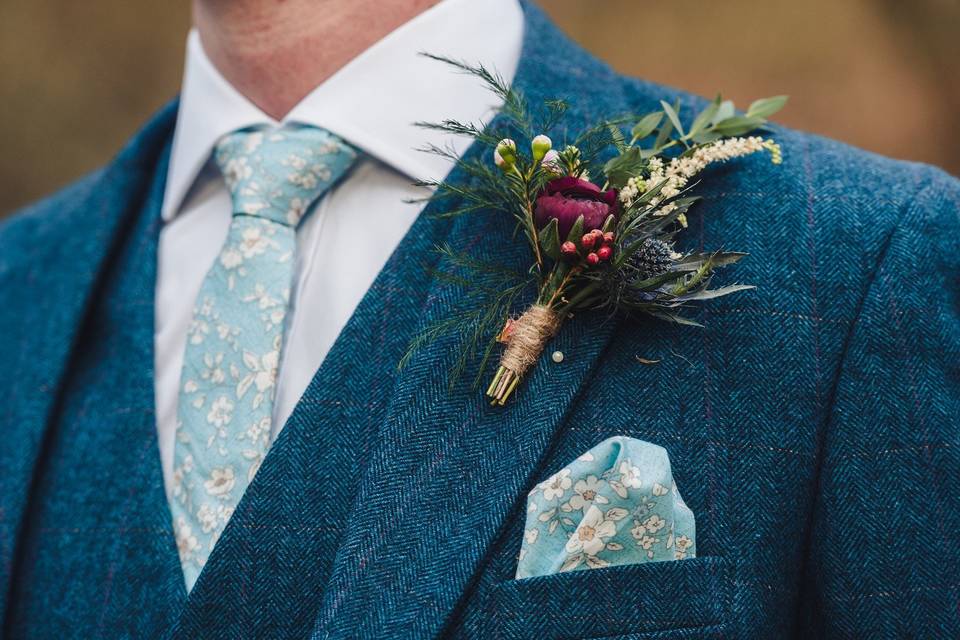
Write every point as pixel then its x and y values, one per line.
pixel 278 173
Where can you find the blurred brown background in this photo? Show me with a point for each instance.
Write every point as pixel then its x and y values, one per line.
pixel 78 78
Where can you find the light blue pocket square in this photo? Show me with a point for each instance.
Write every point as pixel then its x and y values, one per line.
pixel 616 504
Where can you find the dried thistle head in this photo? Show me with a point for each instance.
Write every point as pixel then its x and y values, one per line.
pixel 654 257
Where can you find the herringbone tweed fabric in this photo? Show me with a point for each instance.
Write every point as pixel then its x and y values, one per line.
pixel 812 426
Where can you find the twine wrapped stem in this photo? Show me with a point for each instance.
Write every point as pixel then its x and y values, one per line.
pixel 528 336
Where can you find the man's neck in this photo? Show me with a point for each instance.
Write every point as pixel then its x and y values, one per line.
pixel 275 52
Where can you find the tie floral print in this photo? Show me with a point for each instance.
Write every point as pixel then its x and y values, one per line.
pixel 236 336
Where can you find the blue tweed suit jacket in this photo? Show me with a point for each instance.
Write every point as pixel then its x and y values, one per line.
pixel 812 426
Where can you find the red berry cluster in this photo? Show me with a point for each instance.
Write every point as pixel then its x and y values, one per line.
pixel 588 243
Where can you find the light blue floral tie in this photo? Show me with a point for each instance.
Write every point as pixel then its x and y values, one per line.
pixel 235 340
pixel 616 504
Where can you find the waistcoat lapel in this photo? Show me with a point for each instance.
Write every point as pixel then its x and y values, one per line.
pixel 50 288
pixel 447 468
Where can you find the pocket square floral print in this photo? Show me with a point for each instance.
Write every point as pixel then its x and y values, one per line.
pixel 616 504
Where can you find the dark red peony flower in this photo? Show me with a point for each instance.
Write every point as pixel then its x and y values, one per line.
pixel 566 199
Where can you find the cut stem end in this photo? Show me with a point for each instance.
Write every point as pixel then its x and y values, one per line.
pixel 503 385
pixel 527 336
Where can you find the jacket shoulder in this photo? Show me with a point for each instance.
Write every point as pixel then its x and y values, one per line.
pixel 828 165
pixel 85 208
pixel 42 224
pixel 844 189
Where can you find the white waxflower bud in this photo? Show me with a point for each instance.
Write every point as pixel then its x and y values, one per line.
pixel 505 155
pixel 540 145
pixel 551 162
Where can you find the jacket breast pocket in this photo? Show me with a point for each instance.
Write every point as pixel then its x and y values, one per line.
pixel 679 599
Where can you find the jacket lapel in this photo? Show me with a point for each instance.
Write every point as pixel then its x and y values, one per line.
pixel 447 468
pixel 50 283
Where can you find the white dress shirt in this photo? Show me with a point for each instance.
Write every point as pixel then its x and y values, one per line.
pixel 344 242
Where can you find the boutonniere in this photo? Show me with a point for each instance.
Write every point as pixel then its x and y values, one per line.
pixel 601 215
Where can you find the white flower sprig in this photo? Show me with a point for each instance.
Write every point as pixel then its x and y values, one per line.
pixel 675 175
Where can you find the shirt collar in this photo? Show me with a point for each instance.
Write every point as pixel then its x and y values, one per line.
pixel 373 101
